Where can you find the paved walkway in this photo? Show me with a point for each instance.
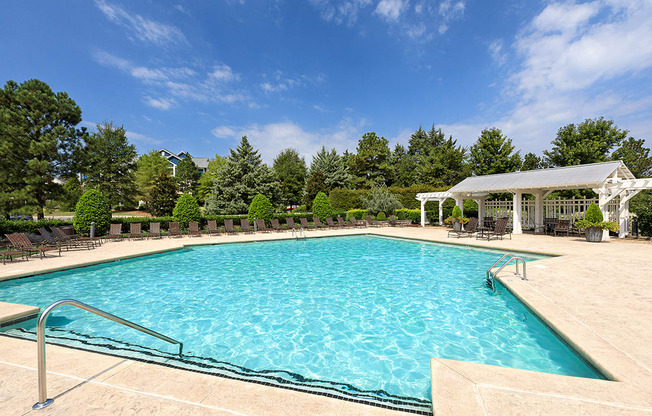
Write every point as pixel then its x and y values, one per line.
pixel 597 296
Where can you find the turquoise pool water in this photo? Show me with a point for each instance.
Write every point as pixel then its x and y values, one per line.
pixel 350 316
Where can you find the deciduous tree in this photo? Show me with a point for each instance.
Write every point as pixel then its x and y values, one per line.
pixel 205 183
pixel 291 171
pixel 149 167
pixel 187 175
pixel 163 197
pixel 635 156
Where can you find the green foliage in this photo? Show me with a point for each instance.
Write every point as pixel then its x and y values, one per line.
pixel 187 174
pixel 72 191
pixel 321 206
pixel 457 212
pixel 432 216
pixel 588 142
pixel 15 226
pixel 422 144
pixel 593 218
pixel 413 215
pixel 315 184
pixel 402 167
pixel 381 216
pixel 261 208
pixel 379 199
pixel 408 196
pixel 445 165
pixel 644 221
pixel 186 209
pixel 92 206
pixel 346 199
pixel 242 177
pixel 333 166
pixel 593 214
pixel 358 214
pixel 635 156
pixel 291 170
pixel 38 143
pixel 163 196
pixel 492 153
pixel 205 183
pixel 109 164
pixel 370 165
pixel 149 167
pixel 532 162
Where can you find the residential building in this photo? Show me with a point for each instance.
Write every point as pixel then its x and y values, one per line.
pixel 175 158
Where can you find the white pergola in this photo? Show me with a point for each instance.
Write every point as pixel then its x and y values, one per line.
pixel 609 180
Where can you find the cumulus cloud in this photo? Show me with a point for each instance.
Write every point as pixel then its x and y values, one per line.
pixel 497 52
pixel 160 103
pixel 143 29
pixel 278 81
pixel 390 9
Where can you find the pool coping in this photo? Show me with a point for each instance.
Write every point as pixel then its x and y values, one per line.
pixel 597 353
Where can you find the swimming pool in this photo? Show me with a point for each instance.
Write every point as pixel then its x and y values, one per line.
pixel 355 317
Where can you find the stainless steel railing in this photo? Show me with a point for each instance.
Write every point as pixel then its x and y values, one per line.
pixel 491 274
pixel 43 400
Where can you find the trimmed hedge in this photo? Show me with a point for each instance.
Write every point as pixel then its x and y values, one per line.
pixel 644 221
pixel 92 207
pixel 413 215
pixel 348 199
pixel 15 226
pixel 260 208
pixel 358 214
pixel 321 206
pixel 186 209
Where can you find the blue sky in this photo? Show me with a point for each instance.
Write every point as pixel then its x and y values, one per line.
pixel 196 76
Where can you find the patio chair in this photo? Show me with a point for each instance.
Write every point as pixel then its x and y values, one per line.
pixel 135 230
pixel 398 223
pixel 304 224
pixel 562 227
pixel 342 223
pixel 9 253
pixel 154 230
pixel 212 227
pixel 276 226
pixel 330 223
pixel 70 244
pixel 22 243
pixel 193 229
pixel 228 226
pixel 318 223
pixel 355 222
pixel 115 231
pixel 174 230
pixel 60 235
pixel 499 231
pixel 549 224
pixel 260 224
pixel 290 222
pixel 246 227
pixel 470 229
pixel 370 221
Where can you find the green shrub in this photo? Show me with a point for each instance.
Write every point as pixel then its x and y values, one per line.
pixel 321 206
pixel 413 215
pixel 380 199
pixel 433 216
pixel 92 206
pixel 261 208
pixel 17 226
pixel 593 213
pixel 457 212
pixel 381 216
pixel 186 209
pixel 359 214
pixel 346 199
pixel 644 221
pixel 408 196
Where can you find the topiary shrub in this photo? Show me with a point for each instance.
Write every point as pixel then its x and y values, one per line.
pixel 261 208
pixel 358 214
pixel 186 209
pixel 593 214
pixel 457 212
pixel 644 221
pixel 92 206
pixel 321 206
pixel 381 216
pixel 413 215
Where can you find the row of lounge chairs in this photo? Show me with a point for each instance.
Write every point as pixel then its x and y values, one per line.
pixel 472 228
pixel 174 229
pixel 54 241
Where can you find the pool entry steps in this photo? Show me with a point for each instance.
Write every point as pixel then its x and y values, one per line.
pixel 43 400
pixel 491 275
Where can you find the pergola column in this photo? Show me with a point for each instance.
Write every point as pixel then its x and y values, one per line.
pixel 423 212
pixel 538 211
pixel 603 199
pixel 480 202
pixel 517 213
pixel 459 201
pixel 441 211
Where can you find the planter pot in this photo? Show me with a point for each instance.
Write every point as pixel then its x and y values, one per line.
pixel 593 234
pixel 457 226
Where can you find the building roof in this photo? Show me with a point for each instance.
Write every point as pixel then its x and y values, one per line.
pixel 201 162
pixel 569 177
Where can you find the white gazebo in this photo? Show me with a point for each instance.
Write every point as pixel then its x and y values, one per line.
pixel 612 181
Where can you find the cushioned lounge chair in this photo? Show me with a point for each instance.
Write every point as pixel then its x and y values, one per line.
pixel 213 228
pixel 115 231
pixel 60 234
pixel 245 226
pixel 154 230
pixel 276 226
pixel 193 229
pixel 21 242
pixel 228 226
pixel 260 225
pixel 67 244
pixel 174 230
pixel 135 230
pixel 499 231
pixel 470 229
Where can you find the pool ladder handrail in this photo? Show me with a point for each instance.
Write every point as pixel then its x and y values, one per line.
pixel 492 274
pixel 43 400
pixel 296 233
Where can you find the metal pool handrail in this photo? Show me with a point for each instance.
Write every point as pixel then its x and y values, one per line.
pixel 43 400
pixel 511 257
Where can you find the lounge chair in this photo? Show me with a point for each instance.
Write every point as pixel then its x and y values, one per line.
pixel 193 229
pixel 63 237
pixel 135 230
pixel 67 244
pixel 355 222
pixel 470 229
pixel 212 228
pixel 330 223
pixel 318 224
pixel 22 243
pixel 115 231
pixel 244 224
pixel 260 225
pixel 304 224
pixel 562 227
pixel 371 222
pixel 9 253
pixel 154 230
pixel 228 226
pixel 499 231
pixel 398 223
pixel 276 226
pixel 342 223
pixel 290 222
pixel 174 230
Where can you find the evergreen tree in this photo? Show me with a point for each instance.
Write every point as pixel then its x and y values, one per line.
pixel 38 139
pixel 532 162
pixel 444 165
pixel 333 166
pixel 402 167
pixel 163 196
pixel 422 143
pixel 493 153
pixel 291 170
pixel 588 142
pixel 315 184
pixel 370 163
pixel 205 183
pixel 635 156
pixel 187 175
pixel 242 177
pixel 149 167
pixel 110 164
pixel 72 191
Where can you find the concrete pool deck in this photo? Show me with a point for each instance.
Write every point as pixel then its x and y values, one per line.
pixel 598 297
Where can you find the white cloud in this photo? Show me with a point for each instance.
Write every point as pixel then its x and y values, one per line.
pixel 144 29
pixel 497 53
pixel 390 9
pixel 342 11
pixel 160 103
pixel 223 73
pixel 278 81
pixel 142 138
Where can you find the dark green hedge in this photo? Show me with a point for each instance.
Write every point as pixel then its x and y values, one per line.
pixel 8 226
pixel 644 220
pixel 409 214
pixel 347 199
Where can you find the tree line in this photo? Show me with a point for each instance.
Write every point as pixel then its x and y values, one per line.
pixel 46 157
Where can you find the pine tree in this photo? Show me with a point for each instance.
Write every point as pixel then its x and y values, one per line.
pixel 291 170
pixel 493 153
pixel 163 197
pixel 187 175
pixel 443 166
pixel 333 166
pixel 370 163
pixel 315 184
pixel 403 167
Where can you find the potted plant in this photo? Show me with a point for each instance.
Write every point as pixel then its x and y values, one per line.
pixel 456 218
pixel 593 224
